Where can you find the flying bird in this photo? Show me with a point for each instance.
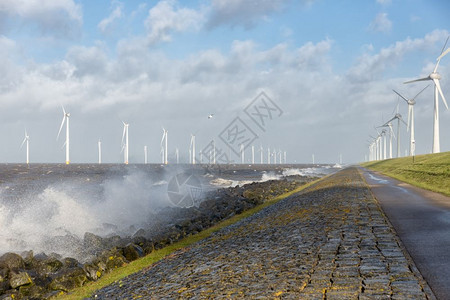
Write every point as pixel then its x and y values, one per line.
pixel 210 116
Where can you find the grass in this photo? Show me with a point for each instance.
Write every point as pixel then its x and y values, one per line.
pixel 137 265
pixel 430 171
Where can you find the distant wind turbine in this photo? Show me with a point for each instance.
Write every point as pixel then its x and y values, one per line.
pixel 399 119
pixel 27 140
pixel 242 154
pixel 67 143
pixel 177 155
pixel 192 149
pixel 435 77
pixel 411 102
pixel 268 156
pixel 125 142
pixel 253 155
pixel 261 150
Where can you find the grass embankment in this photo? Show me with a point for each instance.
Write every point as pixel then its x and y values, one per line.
pixel 430 171
pixel 155 256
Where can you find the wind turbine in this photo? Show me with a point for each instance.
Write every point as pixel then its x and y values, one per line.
pixel 399 119
pixel 125 142
pixel 268 155
pixel 164 146
pixel 411 102
pixel 99 144
pixel 67 143
pixel 177 155
pixel 284 153
pixel 242 154
pixel 27 140
pixel 435 77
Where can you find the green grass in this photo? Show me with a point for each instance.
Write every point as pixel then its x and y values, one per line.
pixel 137 265
pixel 430 171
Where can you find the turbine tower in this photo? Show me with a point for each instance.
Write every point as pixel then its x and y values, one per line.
pixel 253 155
pixel 27 140
pixel 411 102
pixel 67 143
pixel 164 146
pixel 192 150
pixel 145 154
pixel 268 156
pixel 242 154
pixel 435 77
pixel 261 150
pixel 125 142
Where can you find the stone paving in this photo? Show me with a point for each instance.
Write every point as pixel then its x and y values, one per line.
pixel 331 241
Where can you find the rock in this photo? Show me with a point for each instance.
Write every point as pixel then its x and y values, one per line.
pixel 69 279
pixel 132 252
pixel 69 262
pixel 19 279
pixel 32 291
pixel 92 271
pixel 49 265
pixel 11 261
pixel 92 241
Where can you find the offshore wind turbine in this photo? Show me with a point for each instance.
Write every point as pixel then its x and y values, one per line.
pixel 177 155
pixel 435 77
pixel 27 140
pixel 125 142
pixel 242 154
pixel 268 155
pixel 411 102
pixel 67 143
pixel 261 150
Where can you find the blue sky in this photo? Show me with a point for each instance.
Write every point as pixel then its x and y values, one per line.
pixel 330 66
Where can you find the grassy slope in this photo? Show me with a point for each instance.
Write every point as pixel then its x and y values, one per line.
pixel 137 265
pixel 430 171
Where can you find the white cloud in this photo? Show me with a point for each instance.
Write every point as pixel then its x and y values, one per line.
pixel 369 67
pixel 115 14
pixel 241 12
pixel 381 23
pixel 59 17
pixel 167 17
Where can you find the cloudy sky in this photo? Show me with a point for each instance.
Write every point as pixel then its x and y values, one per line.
pixel 329 68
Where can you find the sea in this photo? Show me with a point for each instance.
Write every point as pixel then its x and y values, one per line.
pixel 41 201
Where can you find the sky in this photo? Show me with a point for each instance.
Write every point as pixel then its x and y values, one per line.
pixel 297 76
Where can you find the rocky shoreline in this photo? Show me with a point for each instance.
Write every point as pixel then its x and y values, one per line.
pixel 41 276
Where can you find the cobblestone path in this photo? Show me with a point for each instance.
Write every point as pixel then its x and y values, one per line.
pixel 330 241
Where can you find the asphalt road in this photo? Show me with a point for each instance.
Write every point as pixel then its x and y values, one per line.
pixel 422 221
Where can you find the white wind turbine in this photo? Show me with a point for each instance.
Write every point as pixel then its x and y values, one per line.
pixel 399 119
pixel 411 102
pixel 435 77
pixel 164 146
pixel 125 142
pixel 268 156
pixel 67 143
pixel 177 155
pixel 27 140
pixel 242 154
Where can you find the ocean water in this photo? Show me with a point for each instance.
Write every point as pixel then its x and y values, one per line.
pixel 43 201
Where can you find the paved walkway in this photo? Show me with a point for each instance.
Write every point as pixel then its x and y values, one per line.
pixel 422 221
pixel 331 241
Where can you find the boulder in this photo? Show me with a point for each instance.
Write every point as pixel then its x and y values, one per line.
pixel 11 261
pixel 69 279
pixel 132 252
pixel 19 279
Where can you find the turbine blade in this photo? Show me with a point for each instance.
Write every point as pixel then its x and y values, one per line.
pixel 438 85
pixel 420 92
pixel 443 54
pixel 64 111
pixel 420 79
pixel 124 131
pixel 60 128
pixel 24 140
pixel 400 95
